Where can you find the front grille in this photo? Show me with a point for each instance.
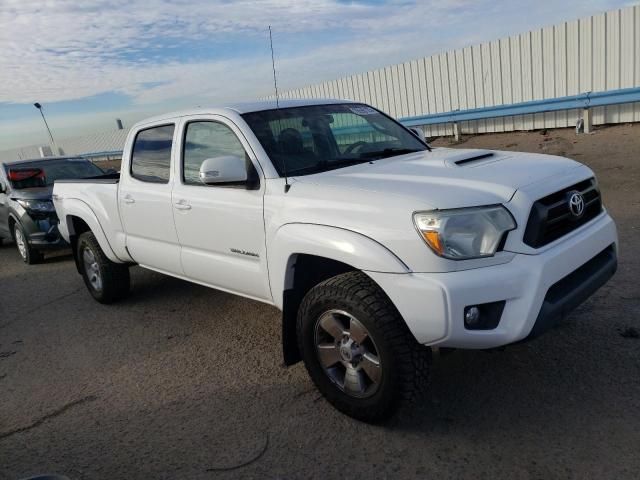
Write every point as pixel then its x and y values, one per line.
pixel 551 217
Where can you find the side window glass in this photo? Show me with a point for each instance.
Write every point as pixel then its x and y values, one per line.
pixel 151 156
pixel 205 140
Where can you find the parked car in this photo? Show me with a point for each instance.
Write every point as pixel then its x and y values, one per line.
pixel 374 245
pixel 27 214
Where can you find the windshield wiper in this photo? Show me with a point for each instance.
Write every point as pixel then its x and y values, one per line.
pixel 388 152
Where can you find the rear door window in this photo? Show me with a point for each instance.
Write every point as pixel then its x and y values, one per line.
pixel 151 155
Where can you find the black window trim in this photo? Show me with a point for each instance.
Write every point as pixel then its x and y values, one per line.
pixel 133 146
pixel 253 178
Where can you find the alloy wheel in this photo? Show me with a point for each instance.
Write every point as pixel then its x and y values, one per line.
pixel 20 242
pixel 348 354
pixel 92 269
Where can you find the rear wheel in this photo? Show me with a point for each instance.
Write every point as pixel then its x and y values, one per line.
pixel 107 281
pixel 28 254
pixel 358 350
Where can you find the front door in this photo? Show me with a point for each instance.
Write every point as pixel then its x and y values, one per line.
pixel 220 228
pixel 145 201
pixel 4 207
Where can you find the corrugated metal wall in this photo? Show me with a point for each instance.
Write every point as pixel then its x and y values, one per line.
pixel 598 53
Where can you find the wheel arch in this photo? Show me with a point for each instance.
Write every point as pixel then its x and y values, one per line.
pixel 76 227
pixel 306 255
pixel 12 220
pixel 78 219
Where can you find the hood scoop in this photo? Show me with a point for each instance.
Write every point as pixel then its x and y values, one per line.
pixel 473 158
pixel 454 158
pixel 469 158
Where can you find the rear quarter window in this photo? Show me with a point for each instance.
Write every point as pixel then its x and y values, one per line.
pixel 151 154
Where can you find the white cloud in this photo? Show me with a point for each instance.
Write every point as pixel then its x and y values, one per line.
pixel 64 50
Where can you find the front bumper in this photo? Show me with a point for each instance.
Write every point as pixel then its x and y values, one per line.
pixel 538 290
pixel 43 234
pixel 47 240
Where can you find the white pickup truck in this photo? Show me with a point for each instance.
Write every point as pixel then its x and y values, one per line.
pixel 373 245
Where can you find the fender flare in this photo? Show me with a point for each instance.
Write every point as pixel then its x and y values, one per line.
pixel 78 208
pixel 335 243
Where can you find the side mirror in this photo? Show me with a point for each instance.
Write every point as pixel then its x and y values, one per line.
pixel 418 132
pixel 227 169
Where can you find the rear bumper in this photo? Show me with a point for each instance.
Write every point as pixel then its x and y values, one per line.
pixel 537 290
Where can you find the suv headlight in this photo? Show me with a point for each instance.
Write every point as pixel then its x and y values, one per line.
pixel 464 233
pixel 38 206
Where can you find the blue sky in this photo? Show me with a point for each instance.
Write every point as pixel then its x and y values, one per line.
pixel 89 62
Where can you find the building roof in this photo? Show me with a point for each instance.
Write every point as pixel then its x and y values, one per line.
pixel 111 141
pixel 18 161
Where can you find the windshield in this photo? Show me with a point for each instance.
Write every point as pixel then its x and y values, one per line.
pixel 45 172
pixel 305 140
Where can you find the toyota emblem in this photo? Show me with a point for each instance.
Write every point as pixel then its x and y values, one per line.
pixel 576 204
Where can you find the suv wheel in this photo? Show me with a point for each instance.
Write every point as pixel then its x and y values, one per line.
pixel 107 281
pixel 28 254
pixel 358 350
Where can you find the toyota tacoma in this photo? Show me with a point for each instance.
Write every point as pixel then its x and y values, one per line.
pixel 375 246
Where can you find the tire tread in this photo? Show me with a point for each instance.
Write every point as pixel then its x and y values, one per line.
pixel 115 276
pixel 412 360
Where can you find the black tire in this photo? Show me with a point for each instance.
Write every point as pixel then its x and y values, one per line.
pixel 404 363
pixel 114 281
pixel 29 255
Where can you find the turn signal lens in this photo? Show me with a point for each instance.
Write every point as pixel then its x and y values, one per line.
pixel 433 240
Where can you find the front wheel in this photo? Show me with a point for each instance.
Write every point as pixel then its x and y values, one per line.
pixel 107 281
pixel 358 350
pixel 28 254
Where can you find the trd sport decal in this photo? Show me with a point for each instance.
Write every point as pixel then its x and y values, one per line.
pixel 244 252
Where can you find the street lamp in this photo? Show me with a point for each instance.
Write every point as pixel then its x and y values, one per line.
pixel 53 143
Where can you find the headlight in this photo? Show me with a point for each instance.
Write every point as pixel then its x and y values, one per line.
pixel 464 233
pixel 39 206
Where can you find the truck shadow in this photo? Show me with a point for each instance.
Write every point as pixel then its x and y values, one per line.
pixel 557 378
pixel 551 384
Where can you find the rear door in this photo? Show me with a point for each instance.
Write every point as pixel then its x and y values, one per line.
pixel 144 199
pixel 220 228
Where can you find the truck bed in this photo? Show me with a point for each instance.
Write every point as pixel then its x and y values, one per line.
pixel 97 197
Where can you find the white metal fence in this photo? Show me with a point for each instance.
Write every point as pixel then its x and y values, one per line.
pixel 597 53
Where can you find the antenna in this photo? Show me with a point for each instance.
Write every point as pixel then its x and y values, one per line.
pixel 287 186
pixel 273 64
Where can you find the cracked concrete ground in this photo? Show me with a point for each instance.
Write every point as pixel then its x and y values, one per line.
pixel 180 381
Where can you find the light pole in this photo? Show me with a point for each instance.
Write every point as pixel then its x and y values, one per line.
pixel 53 143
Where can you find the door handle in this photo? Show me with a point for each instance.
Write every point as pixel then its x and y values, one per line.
pixel 182 205
pixel 128 199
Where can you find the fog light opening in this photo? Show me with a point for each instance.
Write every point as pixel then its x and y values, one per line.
pixel 485 316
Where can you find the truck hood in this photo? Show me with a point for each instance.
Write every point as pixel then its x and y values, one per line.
pixel 35 193
pixel 447 178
